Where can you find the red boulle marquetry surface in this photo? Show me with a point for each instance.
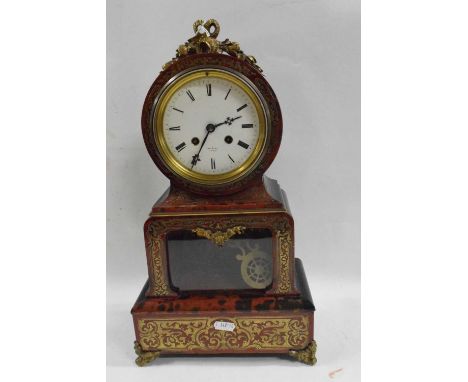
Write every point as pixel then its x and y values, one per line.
pixel 262 206
pixel 262 194
pixel 166 318
pixel 190 309
pixel 228 301
pixel 276 319
pixel 214 60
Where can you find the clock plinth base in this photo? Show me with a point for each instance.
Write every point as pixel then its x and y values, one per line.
pixel 208 323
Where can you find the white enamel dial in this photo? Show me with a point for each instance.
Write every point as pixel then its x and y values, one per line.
pixel 211 125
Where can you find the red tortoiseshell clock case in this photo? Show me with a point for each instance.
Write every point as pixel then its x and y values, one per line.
pixel 223 277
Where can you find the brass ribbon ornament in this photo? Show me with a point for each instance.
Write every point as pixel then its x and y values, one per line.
pixel 205 41
pixel 200 27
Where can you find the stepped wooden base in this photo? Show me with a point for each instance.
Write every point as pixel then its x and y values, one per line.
pixel 228 323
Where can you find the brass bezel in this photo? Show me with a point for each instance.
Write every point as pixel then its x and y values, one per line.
pixel 168 157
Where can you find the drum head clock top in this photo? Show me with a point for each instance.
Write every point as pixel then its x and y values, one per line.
pixel 211 122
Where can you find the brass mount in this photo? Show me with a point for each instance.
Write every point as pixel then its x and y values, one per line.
pixel 205 41
pixel 219 237
pixel 144 356
pixel 306 355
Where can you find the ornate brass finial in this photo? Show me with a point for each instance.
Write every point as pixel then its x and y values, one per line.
pixel 205 41
pixel 219 237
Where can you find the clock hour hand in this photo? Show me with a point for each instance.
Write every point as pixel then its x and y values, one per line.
pixel 228 121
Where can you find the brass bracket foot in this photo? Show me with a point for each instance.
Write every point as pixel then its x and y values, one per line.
pixel 144 356
pixel 306 355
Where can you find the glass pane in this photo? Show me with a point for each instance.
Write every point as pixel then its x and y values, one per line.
pixel 244 262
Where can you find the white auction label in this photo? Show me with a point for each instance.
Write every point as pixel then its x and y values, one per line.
pixel 223 325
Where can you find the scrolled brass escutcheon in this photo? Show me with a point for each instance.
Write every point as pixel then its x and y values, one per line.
pixel 219 237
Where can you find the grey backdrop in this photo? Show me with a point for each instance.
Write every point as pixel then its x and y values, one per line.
pixel 310 54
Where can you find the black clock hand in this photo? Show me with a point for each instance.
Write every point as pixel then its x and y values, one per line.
pixel 209 129
pixel 196 157
pixel 231 120
pixel 228 121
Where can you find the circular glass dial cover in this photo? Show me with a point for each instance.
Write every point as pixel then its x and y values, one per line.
pixel 210 126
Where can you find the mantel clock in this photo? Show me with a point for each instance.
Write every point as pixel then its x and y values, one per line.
pixel 220 241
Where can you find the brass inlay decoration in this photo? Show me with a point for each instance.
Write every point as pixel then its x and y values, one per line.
pixel 159 285
pixel 219 237
pixel 259 333
pixel 144 357
pixel 205 41
pixel 306 355
pixel 283 260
